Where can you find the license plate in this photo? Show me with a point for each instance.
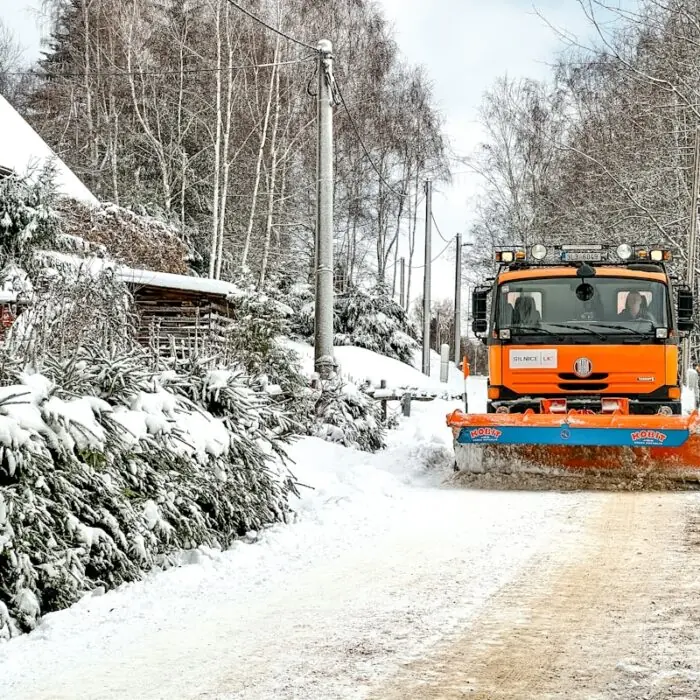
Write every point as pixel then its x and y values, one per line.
pixel 582 256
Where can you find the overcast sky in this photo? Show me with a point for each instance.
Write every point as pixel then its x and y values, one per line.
pixel 465 45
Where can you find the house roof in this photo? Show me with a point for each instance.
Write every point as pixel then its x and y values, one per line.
pixel 22 149
pixel 167 280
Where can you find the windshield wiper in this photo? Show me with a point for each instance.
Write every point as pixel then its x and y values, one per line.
pixel 617 327
pixel 536 329
pixel 578 327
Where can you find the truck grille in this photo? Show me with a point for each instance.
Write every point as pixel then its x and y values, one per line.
pixel 594 377
pixel 583 386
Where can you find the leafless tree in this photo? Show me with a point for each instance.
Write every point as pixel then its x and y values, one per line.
pixel 189 110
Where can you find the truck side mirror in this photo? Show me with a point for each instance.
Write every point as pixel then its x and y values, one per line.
pixel 479 312
pixel 685 310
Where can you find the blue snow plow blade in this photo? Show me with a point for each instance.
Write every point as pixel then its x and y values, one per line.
pixel 566 434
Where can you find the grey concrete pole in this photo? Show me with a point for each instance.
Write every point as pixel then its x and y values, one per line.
pixel 426 276
pixel 324 363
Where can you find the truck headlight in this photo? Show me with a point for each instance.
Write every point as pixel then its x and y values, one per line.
pixel 662 333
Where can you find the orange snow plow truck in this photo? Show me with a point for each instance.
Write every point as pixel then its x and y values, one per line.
pixel 583 364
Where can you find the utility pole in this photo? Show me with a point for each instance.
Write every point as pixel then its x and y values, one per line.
pixel 426 276
pixel 402 278
pixel 692 248
pixel 324 363
pixel 458 300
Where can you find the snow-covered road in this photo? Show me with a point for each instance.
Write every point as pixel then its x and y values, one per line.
pixel 611 612
pixel 383 563
pixel 392 585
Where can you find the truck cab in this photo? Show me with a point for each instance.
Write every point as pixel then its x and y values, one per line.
pixel 585 328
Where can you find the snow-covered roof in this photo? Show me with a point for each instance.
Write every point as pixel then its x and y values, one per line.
pixel 22 149
pixel 168 280
pixel 145 278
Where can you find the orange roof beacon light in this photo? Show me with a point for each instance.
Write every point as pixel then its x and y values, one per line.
pixel 583 349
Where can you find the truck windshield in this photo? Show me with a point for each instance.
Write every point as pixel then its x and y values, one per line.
pixel 595 305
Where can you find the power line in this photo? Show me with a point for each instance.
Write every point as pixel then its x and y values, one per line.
pixel 364 148
pixel 437 228
pixel 439 255
pixel 271 28
pixel 184 71
pixel 420 267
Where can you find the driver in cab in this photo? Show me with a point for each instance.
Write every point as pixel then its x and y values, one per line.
pixel 635 309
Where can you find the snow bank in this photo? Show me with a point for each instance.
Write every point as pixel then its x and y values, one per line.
pixel 358 364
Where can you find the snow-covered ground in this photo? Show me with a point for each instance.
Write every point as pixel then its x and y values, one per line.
pixel 359 365
pixel 378 548
pixel 382 563
pixel 392 584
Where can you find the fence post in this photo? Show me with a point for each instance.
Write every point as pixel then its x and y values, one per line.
pixel 382 385
pixel 444 362
pixel 406 404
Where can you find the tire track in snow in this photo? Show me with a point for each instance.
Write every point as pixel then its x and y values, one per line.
pixel 334 629
pixel 569 625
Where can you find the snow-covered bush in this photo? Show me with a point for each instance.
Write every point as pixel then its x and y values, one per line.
pixel 343 413
pixel 70 308
pixel 27 215
pixel 373 320
pixel 368 319
pixel 260 321
pixel 300 297
pixel 134 239
pixel 113 459
pixel 107 467
pixel 229 393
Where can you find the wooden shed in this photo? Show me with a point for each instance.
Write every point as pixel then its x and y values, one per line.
pixel 179 311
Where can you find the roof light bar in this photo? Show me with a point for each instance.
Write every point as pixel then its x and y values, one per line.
pixel 595 252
